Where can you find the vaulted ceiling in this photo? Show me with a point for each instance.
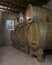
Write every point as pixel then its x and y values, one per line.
pixel 19 5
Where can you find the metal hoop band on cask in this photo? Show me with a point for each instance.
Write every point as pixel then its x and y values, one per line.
pixel 41 40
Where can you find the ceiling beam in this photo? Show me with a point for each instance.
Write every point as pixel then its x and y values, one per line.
pixel 19 5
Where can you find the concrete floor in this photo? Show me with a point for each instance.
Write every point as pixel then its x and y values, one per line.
pixel 11 56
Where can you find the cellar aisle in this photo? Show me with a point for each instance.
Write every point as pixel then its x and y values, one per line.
pixel 11 56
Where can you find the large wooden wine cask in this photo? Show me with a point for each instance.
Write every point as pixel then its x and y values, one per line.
pixel 50 16
pixel 37 14
pixel 21 34
pixel 14 36
pixel 40 35
pixel 20 18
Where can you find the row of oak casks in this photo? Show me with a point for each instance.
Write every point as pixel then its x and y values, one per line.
pixel 34 35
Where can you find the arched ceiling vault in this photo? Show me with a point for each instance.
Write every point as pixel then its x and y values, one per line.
pixel 19 5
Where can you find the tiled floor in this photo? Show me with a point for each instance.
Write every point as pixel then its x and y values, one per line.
pixel 11 56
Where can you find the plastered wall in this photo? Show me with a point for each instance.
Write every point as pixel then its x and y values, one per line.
pixel 7 33
pixel 49 5
pixel 1 28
